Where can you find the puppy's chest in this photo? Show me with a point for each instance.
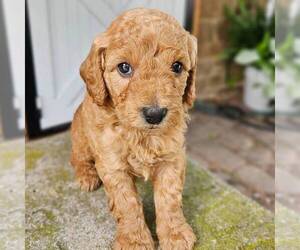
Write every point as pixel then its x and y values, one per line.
pixel 142 163
pixel 143 159
pixel 142 154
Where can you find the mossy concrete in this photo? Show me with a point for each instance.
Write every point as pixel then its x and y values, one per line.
pixel 287 225
pixel 60 216
pixel 12 202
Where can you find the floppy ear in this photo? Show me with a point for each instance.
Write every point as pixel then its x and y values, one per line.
pixel 190 90
pixel 91 70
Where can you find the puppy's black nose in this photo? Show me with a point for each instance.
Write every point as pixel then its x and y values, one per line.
pixel 154 115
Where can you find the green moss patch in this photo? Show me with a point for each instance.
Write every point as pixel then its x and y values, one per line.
pixel 9 153
pixel 7 158
pixel 32 156
pixel 221 217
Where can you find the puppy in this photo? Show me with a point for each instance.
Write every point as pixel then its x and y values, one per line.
pixel 140 80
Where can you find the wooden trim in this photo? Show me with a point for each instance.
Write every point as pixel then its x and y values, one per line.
pixel 196 17
pixel 189 13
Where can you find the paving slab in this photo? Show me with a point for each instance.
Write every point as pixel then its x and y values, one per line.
pixel 233 150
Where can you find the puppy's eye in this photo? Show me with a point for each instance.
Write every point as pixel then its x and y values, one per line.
pixel 177 67
pixel 125 69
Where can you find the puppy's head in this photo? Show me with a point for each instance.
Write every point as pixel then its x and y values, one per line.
pixel 144 66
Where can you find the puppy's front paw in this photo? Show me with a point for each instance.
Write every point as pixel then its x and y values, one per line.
pixel 181 238
pixel 89 180
pixel 140 240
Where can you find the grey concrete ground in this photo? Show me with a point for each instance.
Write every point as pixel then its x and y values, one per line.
pixel 60 216
pixel 12 200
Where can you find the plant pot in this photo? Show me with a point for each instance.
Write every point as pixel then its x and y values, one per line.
pixel 254 97
pixel 285 101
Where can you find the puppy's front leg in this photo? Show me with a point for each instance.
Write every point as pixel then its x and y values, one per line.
pixel 124 203
pixel 172 230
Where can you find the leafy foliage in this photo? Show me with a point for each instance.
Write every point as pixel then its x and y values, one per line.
pixel 288 60
pixel 250 38
pixel 246 27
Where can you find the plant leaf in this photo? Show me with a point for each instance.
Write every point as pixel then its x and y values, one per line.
pixel 246 57
pixel 273 45
pixel 297 46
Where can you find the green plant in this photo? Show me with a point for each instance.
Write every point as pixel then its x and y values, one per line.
pixel 288 48
pixel 288 60
pixel 249 34
pixel 288 53
pixel 261 57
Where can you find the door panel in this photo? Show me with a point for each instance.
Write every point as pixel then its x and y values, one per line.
pixel 62 32
pixel 14 16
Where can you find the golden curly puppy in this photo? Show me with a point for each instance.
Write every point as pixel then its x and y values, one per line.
pixel 140 79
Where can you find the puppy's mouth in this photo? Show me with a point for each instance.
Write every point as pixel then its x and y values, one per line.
pixel 153 127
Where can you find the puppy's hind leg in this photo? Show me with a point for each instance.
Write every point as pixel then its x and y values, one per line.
pixel 82 158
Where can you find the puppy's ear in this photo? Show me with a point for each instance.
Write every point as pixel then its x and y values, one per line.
pixel 190 90
pixel 92 69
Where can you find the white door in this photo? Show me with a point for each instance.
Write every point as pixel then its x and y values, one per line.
pixel 61 34
pixel 14 16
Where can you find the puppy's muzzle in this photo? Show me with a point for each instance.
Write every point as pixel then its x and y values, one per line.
pixel 154 115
